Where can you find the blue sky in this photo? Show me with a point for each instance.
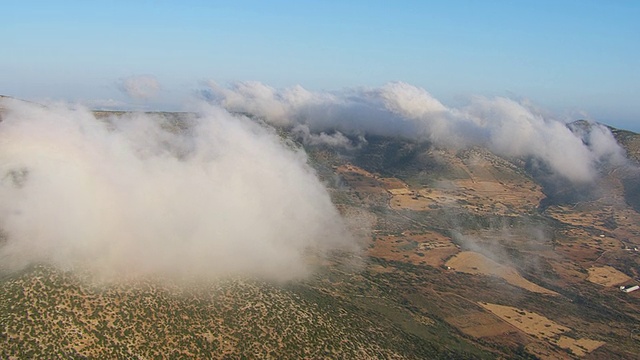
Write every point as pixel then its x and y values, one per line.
pixel 573 58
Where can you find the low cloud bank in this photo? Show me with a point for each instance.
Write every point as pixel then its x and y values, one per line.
pixel 138 195
pixel 507 127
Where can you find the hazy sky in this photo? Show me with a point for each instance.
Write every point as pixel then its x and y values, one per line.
pixel 573 58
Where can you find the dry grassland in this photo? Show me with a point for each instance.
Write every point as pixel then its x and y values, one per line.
pixel 419 249
pixel 617 219
pixel 484 195
pixel 480 324
pixel 475 263
pixel 543 328
pixel 606 276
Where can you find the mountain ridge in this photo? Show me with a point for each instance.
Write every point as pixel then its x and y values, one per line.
pixel 461 254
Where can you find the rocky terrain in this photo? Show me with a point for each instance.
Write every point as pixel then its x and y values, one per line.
pixel 467 255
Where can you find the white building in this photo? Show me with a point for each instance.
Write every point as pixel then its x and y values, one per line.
pixel 630 288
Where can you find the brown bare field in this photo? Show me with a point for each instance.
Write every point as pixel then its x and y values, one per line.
pixel 484 197
pixel 543 328
pixel 493 196
pixel 402 197
pixel 403 191
pixel 482 323
pixel 543 350
pixel 349 168
pixel 425 248
pixel 394 184
pixel 409 200
pixel 606 276
pixel 475 263
pixel 529 322
pixel 580 347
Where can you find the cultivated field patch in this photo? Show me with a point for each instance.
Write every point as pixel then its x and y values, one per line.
pixel 543 328
pixel 427 248
pixel 471 262
pixel 606 276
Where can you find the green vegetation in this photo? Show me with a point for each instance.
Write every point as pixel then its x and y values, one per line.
pixel 393 306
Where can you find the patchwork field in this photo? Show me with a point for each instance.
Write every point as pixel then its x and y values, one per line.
pixel 490 197
pixel 474 263
pixel 543 328
pixel 427 248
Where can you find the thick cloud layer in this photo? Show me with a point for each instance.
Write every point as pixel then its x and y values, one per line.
pixel 144 195
pixel 505 126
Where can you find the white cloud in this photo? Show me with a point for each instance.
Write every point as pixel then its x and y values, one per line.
pixel 129 197
pixel 505 126
pixel 336 139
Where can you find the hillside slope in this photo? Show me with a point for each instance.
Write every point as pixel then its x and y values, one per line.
pixel 465 257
